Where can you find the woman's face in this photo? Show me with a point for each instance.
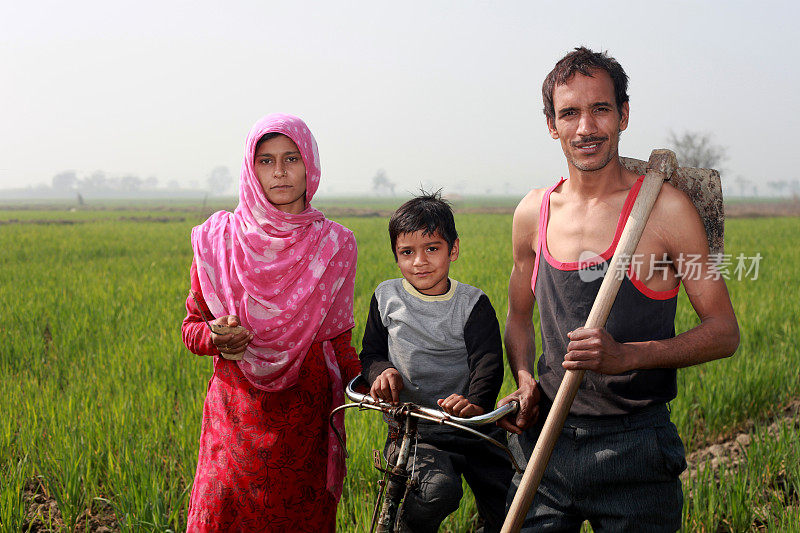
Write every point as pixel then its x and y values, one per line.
pixel 282 174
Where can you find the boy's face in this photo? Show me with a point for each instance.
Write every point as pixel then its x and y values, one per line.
pixel 425 261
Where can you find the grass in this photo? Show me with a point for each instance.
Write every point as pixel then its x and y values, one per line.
pixel 103 402
pixel 763 491
pixel 758 380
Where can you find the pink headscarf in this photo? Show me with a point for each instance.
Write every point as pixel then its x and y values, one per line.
pixel 288 277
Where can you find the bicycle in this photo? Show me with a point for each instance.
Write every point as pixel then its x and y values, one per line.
pixel 397 480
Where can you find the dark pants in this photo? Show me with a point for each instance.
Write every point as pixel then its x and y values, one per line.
pixel 619 472
pixel 443 455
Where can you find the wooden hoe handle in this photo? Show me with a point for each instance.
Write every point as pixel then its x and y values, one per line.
pixel 660 167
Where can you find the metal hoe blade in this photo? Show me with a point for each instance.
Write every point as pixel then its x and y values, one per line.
pixel 704 188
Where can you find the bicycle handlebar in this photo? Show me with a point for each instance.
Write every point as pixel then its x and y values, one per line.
pixel 365 401
pixel 434 415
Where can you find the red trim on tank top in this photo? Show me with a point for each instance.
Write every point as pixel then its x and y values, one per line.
pixel 650 293
pixel 605 256
pixel 544 215
pixel 543 212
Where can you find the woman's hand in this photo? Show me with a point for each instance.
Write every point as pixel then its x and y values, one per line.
pixel 231 343
pixel 457 405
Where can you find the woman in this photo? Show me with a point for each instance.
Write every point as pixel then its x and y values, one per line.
pixel 280 269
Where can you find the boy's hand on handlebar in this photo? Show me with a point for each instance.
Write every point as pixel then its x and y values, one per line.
pixel 457 405
pixel 387 386
pixel 230 343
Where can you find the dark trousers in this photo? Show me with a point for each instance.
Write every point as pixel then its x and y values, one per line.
pixel 619 472
pixel 443 455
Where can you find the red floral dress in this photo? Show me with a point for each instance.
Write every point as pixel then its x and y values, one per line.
pixel 263 456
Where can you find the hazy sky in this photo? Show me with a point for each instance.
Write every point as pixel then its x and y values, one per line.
pixel 440 93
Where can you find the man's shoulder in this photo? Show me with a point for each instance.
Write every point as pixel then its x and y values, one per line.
pixel 670 206
pixel 673 210
pixel 672 201
pixel 525 225
pixel 531 202
pixel 676 220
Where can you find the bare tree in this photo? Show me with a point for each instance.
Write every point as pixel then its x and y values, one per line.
pixel 381 183
pixel 697 150
pixel 151 183
pixel 130 183
pixel 777 186
pixel 95 182
pixel 742 182
pixel 65 181
pixel 794 188
pixel 219 180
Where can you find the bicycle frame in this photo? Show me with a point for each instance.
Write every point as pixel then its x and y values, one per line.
pixel 397 480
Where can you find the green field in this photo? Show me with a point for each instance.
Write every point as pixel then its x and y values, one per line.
pixel 102 402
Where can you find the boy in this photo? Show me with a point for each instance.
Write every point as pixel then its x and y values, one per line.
pixel 434 341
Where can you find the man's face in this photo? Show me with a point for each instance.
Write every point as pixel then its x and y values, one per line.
pixel 425 261
pixel 587 121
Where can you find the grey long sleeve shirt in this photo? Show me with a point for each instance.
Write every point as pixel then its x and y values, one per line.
pixel 440 345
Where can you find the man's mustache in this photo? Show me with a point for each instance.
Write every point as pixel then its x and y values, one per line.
pixel 588 140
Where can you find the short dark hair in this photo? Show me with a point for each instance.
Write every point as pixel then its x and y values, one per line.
pixel 427 212
pixel 583 60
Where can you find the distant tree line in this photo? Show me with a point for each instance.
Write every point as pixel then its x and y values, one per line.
pixel 218 181
pixel 792 187
pixel 99 181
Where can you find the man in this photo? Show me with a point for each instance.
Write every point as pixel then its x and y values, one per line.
pixel 618 458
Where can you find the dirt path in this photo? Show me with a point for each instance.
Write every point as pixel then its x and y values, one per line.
pixel 43 514
pixel 732 450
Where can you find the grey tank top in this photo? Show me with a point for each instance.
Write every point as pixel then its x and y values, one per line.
pixel 565 293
